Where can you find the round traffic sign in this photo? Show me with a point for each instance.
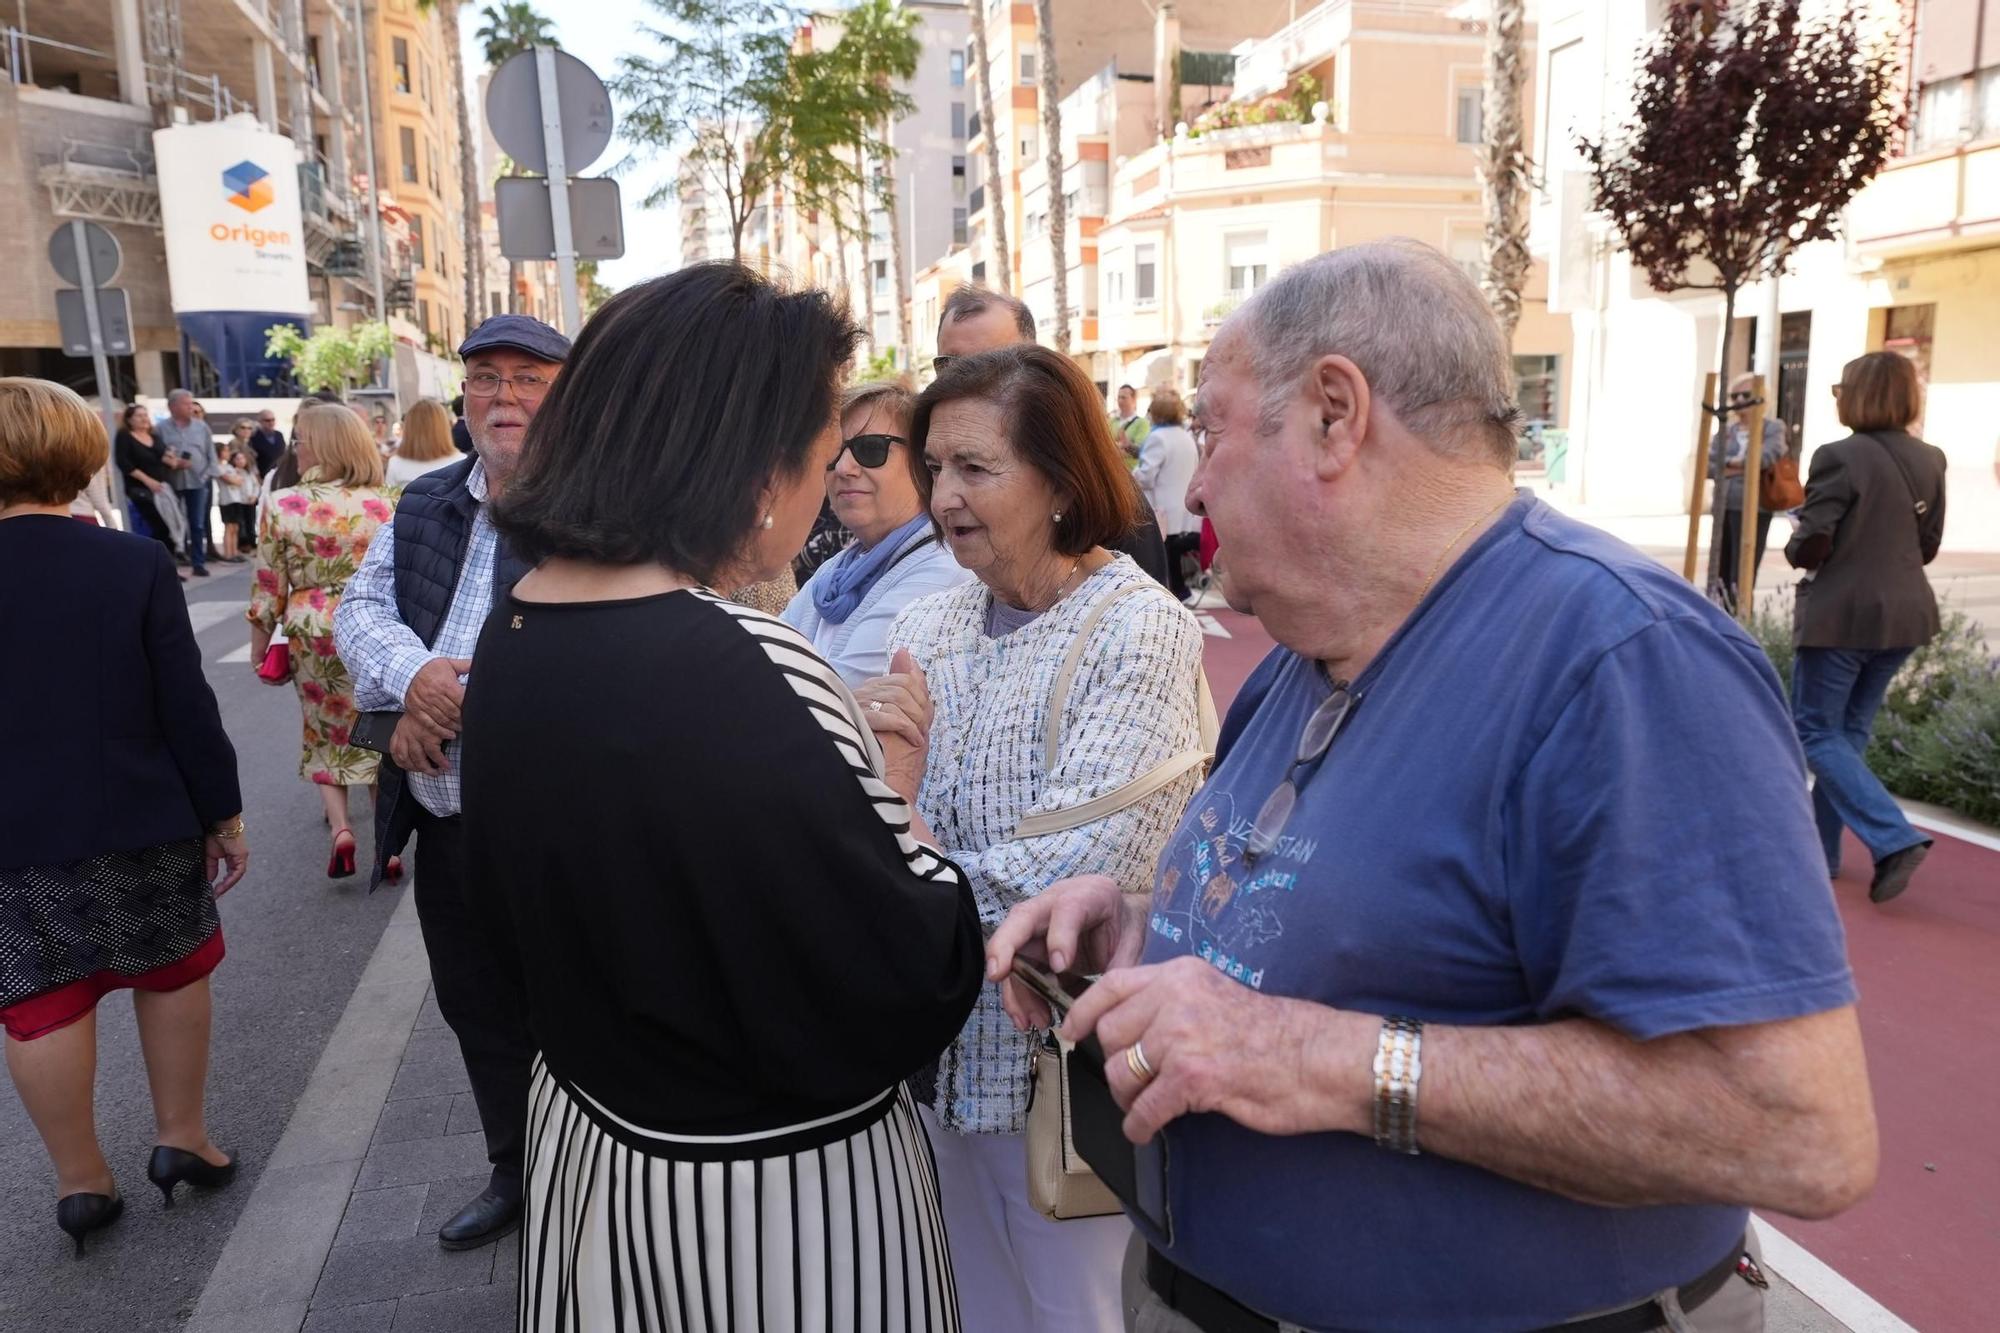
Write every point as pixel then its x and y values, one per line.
pixel 105 255
pixel 514 112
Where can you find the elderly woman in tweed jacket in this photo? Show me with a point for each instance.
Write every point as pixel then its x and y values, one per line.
pixel 1020 474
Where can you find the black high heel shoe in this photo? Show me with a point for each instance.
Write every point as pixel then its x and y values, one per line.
pixel 81 1214
pixel 170 1166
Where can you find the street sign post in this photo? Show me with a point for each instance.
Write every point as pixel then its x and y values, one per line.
pixel 526 214
pixel 551 113
pixel 86 254
pixel 114 321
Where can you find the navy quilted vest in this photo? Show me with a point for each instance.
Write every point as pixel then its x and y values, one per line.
pixel 433 526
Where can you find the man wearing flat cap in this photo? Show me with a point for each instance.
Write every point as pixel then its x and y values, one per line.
pixel 406 630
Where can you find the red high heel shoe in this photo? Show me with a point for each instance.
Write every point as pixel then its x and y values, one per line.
pixel 341 864
pixel 393 871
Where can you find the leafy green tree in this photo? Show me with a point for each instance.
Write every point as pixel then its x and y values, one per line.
pixel 593 291
pixel 714 72
pixel 335 359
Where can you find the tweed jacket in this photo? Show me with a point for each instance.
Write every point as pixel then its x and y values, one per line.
pixel 1132 705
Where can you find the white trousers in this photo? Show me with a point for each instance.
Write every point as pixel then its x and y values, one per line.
pixel 1018 1271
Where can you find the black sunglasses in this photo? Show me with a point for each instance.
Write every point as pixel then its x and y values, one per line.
pixel 871 451
pixel 1317 739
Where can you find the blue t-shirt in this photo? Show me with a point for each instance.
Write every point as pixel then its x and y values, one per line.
pixel 1569 787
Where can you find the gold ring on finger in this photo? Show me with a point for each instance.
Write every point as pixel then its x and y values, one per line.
pixel 1135 1060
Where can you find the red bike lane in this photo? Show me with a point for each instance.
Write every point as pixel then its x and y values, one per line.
pixel 1926 1243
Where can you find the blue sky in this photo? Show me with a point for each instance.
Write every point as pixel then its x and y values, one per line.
pixel 597 32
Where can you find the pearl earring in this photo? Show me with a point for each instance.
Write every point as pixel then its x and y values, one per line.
pixel 767 520
pixel 1058 515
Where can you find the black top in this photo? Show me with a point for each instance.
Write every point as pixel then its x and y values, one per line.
pixel 461 435
pixel 725 924
pixel 131 455
pixel 110 739
pixel 269 447
pixel 1146 545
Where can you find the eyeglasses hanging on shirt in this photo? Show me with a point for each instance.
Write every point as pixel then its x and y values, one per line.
pixel 1314 742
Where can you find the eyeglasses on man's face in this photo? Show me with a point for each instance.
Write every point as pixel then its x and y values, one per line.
pixel 528 386
pixel 871 451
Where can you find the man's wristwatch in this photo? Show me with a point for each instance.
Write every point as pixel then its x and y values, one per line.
pixel 1398 1068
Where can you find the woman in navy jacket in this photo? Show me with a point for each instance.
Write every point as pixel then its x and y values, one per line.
pixel 120 804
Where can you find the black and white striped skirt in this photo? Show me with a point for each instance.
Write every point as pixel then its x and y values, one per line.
pixel 831 1227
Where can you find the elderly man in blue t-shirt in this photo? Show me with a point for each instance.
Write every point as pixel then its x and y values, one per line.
pixel 1494 975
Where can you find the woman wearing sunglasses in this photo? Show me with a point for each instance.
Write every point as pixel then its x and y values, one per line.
pixel 850 602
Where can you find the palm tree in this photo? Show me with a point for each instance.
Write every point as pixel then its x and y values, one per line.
pixel 511 28
pixel 1503 168
pixel 881 47
pixel 468 178
pixel 1003 265
pixel 1045 31
pixel 505 32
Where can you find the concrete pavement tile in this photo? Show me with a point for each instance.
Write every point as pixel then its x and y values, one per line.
pixel 389 1214
pixel 464 1115
pixel 419 1161
pixel 507 1261
pixel 281 1318
pixel 273 1254
pixel 374 1317
pixel 438 1046
pixel 332 1121
pixel 469 1310
pixel 430 1017
pixel 430 1078
pixel 416 1118
pixel 401 956
pixel 447 1197
pixel 381 1269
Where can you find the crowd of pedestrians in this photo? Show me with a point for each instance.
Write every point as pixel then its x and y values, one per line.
pixel 765 932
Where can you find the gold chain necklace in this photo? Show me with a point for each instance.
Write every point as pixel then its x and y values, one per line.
pixel 1062 587
pixel 1439 563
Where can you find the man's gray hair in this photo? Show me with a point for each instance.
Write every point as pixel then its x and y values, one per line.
pixel 1414 324
pixel 175 395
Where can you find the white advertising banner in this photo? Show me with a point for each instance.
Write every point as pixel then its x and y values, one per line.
pixel 229 205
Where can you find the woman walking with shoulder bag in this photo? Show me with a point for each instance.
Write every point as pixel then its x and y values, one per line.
pixel 1873 518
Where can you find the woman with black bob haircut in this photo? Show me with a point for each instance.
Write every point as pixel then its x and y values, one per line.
pixel 738 938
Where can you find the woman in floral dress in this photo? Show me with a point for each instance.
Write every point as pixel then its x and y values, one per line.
pixel 311 540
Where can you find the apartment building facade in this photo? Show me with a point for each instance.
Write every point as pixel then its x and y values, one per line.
pixel 417 151
pixel 1916 271
pixel 84 87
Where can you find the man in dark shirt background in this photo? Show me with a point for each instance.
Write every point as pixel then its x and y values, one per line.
pixel 267 442
pixel 461 434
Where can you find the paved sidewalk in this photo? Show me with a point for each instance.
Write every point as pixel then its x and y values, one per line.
pixel 341 1233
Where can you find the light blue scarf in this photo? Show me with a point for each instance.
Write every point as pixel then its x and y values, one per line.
pixel 854 572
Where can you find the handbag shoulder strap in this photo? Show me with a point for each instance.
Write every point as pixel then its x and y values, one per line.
pixel 1140 787
pixel 1059 692
pixel 1918 505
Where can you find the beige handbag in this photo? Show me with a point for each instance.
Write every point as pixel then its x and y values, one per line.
pixel 1060 1184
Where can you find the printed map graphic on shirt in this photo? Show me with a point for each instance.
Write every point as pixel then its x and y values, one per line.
pixel 1210 903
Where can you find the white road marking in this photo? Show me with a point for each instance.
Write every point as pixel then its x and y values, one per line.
pixel 237 654
pixel 1213 627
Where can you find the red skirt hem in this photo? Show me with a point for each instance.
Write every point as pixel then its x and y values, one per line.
pixel 39 1015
